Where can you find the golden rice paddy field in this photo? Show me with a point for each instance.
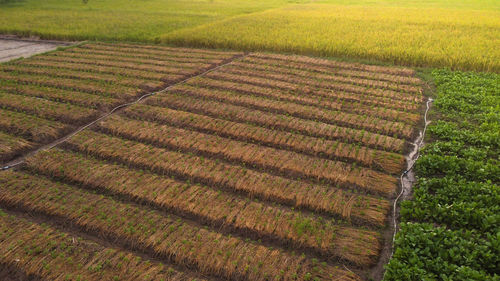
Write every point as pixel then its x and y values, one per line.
pixel 458 34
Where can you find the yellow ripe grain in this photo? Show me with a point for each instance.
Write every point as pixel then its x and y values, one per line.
pixel 424 36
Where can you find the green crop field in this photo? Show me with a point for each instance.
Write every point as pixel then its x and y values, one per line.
pixel 456 34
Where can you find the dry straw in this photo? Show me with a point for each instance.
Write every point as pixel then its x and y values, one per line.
pixel 214 207
pixel 378 159
pixel 46 253
pixel 265 59
pixel 168 237
pixel 283 162
pixel 336 117
pixel 214 173
pixel 384 108
pixel 273 121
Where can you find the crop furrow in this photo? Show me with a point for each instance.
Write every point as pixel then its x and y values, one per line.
pixel 115 91
pixel 315 79
pixel 168 237
pixel 9 271
pixel 339 118
pixel 86 63
pixel 31 127
pixel 81 75
pixel 388 108
pixel 12 146
pixel 142 61
pixel 284 162
pixel 66 113
pixel 60 95
pixel 173 49
pixel 335 150
pixel 295 85
pixel 273 121
pixel 173 52
pixel 49 254
pixel 389 161
pixel 212 171
pixel 337 64
pixel 118 53
pixel 272 188
pixel 211 206
pixel 95 68
pixel 294 66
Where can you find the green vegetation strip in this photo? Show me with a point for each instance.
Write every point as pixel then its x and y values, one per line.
pixel 87 86
pixel 451 230
pixel 120 57
pixel 84 62
pixel 320 98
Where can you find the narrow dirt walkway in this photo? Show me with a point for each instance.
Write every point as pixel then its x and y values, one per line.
pixel 13 48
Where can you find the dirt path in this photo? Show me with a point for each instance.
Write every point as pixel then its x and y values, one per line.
pixel 13 48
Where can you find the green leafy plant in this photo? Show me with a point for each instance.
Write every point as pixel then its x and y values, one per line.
pixel 450 229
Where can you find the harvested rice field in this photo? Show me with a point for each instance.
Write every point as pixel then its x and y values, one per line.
pixel 231 166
